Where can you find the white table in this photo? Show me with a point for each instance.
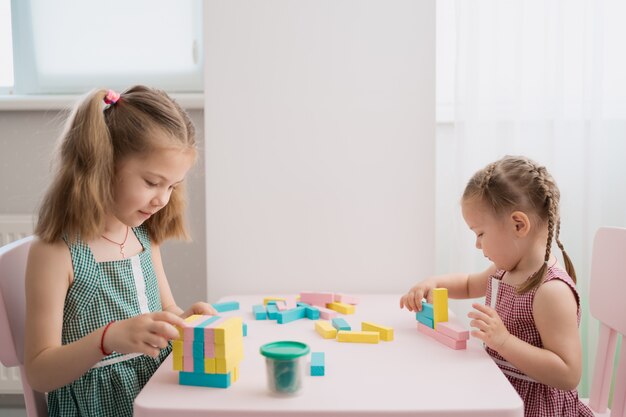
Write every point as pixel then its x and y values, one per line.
pixel 412 375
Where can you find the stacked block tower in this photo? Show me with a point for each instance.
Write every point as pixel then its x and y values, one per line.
pixel 208 351
pixel 433 321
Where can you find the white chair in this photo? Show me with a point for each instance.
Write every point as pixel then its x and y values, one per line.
pixel 607 302
pixel 12 318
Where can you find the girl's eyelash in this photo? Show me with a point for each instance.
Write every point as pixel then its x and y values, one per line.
pixel 151 184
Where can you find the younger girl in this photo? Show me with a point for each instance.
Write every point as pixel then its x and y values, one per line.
pixel 530 321
pixel 100 310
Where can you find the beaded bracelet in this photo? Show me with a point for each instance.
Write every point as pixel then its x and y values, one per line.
pixel 102 339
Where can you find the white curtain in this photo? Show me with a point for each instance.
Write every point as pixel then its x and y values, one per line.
pixel 546 79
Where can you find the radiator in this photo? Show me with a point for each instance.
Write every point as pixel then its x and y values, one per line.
pixel 13 227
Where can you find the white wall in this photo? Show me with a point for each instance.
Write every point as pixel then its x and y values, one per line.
pixel 320 145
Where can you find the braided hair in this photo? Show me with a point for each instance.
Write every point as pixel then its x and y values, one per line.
pixel 518 183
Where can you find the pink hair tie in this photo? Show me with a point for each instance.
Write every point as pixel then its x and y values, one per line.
pixel 112 97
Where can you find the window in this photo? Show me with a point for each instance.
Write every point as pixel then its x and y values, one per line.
pixel 6 49
pixel 72 46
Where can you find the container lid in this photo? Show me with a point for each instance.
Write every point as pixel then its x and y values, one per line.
pixel 284 350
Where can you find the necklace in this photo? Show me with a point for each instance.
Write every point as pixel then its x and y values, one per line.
pixel 121 245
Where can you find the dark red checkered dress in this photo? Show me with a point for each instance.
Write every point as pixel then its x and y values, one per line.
pixel 516 312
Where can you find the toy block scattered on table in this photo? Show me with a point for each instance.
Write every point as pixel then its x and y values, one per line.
pixel 312 313
pixel 317 364
pixel 287 316
pixel 386 333
pixel 325 329
pixel 268 299
pixel 272 311
pixel 326 313
pixel 209 351
pixel 440 305
pixel 341 307
pixel 318 299
pixel 259 311
pixel 358 337
pixel 347 299
pixel 226 306
pixel 340 324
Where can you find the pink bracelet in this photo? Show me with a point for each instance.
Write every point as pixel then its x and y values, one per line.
pixel 102 339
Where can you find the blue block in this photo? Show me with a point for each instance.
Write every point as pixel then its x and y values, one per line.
pixel 312 313
pixel 198 349
pixel 287 316
pixel 226 306
pixel 340 324
pixel 272 311
pixel 259 312
pixel 427 310
pixel 425 320
pixel 204 380
pixel 317 364
pixel 198 365
pixel 245 329
pixel 198 331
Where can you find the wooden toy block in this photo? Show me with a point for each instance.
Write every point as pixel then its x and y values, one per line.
pixel 230 329
pixel 177 347
pixel 204 380
pixel 427 310
pixel 272 311
pixel 326 313
pixel 386 333
pixel 259 312
pixel 347 299
pixel 319 299
pixel 311 313
pixel 440 305
pixel 226 306
pixel 200 327
pixel 341 307
pixel 245 329
pixel 178 363
pixel 281 306
pixel 290 303
pixel 317 364
pixel 268 299
pixel 325 329
pixel 287 316
pixel 453 330
pixel 358 337
pixel 340 324
pixel 425 320
pixel 188 323
pixel 442 338
pixel 209 365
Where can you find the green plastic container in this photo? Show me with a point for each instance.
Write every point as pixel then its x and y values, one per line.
pixel 285 366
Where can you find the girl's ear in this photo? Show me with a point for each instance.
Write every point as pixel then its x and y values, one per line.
pixel 521 222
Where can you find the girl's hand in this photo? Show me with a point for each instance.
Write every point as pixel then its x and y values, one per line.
pixel 489 326
pixel 412 300
pixel 200 308
pixel 146 333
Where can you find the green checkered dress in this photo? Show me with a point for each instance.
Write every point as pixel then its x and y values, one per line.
pixel 101 292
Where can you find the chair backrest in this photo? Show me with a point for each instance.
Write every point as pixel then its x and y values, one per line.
pixel 607 302
pixel 13 259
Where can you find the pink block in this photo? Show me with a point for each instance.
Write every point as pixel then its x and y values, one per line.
pixel 209 331
pixel 209 350
pixel 453 330
pixel 326 313
pixel 188 347
pixel 281 305
pixel 290 303
pixel 188 363
pixel 442 338
pixel 188 327
pixel 348 299
pixel 318 299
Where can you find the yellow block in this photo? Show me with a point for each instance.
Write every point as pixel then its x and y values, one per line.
pixel 325 329
pixel 386 333
pixel 230 329
pixel 440 305
pixel 177 348
pixel 268 299
pixel 234 375
pixel 342 308
pixel 358 337
pixel 178 363
pixel 209 365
